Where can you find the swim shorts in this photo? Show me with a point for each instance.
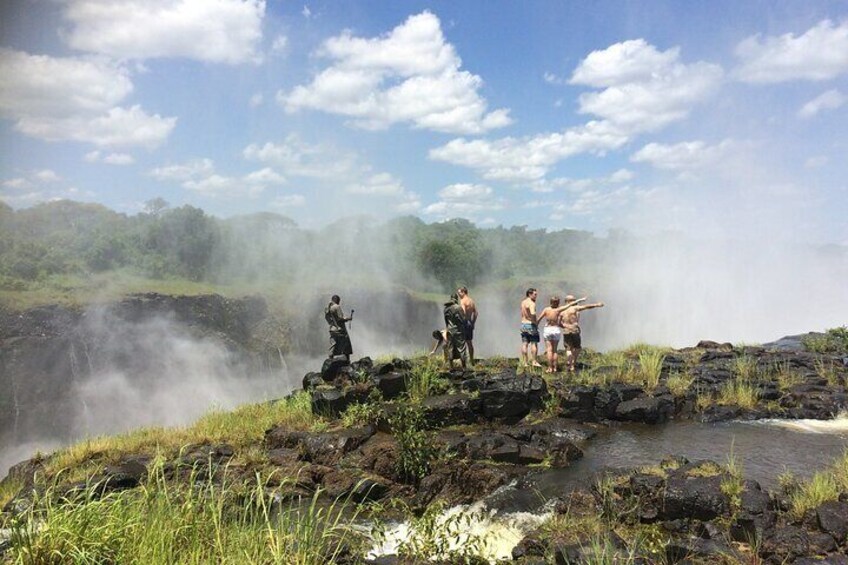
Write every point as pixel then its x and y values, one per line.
pixel 468 330
pixel 529 333
pixel 552 333
pixel 571 340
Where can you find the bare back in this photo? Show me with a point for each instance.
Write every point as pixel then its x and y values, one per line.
pixel 551 316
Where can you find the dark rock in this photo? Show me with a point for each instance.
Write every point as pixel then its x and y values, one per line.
pixel 713 345
pixel 333 366
pixel 529 546
pixel 832 518
pixel 788 542
pixel 647 410
pixel 323 448
pixel 608 399
pixel 382 369
pixel 579 403
pixel 721 413
pixel 391 385
pixel 694 497
pixel 127 474
pixel 696 548
pixel 450 410
pixel 283 456
pixel 312 380
pixel 513 397
pixel 365 364
pixel 829 560
pixel 328 402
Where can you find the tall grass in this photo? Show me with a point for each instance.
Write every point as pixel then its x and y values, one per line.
pixel 650 367
pixel 745 368
pixel 739 393
pixel 679 383
pixel 163 522
pixel 243 427
pixel 424 380
pixel 824 486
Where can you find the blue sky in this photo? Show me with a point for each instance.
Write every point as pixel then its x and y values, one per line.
pixel 722 118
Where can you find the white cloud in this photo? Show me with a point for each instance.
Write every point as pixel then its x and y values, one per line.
pixel 529 158
pixel 816 162
pixel 465 200
pixel 118 159
pixel 46 175
pixel 190 170
pixel 621 175
pixel 223 31
pixel 256 100
pixel 411 75
pixel 42 86
pixel 58 99
pixel 280 43
pixel 295 157
pixel 381 184
pixel 119 127
pixel 830 100
pixel 288 201
pixel 306 12
pixel 643 89
pixel 409 203
pixel 477 192
pixel 199 176
pixel 682 156
pixel 821 53
pixel 596 201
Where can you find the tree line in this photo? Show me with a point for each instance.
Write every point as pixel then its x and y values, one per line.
pixel 66 237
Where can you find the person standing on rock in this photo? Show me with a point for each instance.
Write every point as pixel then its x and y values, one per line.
pixel 455 326
pixel 529 329
pixel 470 309
pixel 569 319
pixel 339 338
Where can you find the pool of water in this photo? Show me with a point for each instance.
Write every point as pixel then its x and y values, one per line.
pixel 765 449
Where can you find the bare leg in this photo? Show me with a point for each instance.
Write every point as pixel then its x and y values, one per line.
pixel 549 354
pixel 470 353
pixel 534 351
pixel 574 356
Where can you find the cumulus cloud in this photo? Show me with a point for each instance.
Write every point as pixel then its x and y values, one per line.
pixel 410 75
pixel 830 100
pixel 529 158
pixel 643 89
pixel 681 156
pixel 223 31
pixel 821 53
pixel 199 176
pixel 465 200
pixel 70 98
pixel 381 184
pixel 110 159
pixel 295 157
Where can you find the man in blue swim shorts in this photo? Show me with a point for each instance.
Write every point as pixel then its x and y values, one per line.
pixel 529 329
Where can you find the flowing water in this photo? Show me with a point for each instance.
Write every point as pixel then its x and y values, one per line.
pixel 765 449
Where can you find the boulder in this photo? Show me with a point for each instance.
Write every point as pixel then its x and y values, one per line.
pixel 648 410
pixel 391 385
pixel 450 410
pixel 328 402
pixel 333 366
pixel 312 380
pixel 696 497
pixel 832 518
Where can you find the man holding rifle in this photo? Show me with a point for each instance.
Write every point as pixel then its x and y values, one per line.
pixel 339 338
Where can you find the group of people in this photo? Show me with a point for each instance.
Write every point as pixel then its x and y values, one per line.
pixel 561 322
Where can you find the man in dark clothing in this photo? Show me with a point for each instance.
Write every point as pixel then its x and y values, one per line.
pixel 339 338
pixel 455 323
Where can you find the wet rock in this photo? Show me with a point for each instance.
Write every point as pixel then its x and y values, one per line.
pixel 341 483
pixel 391 385
pixel 328 402
pixel 283 456
pixel 365 364
pixel 789 542
pixel 579 403
pixel 510 397
pixel 696 549
pixel 127 474
pixel 694 497
pixel 829 560
pixel 450 410
pixel 832 518
pixel 323 448
pixel 333 366
pixel 608 399
pixel 463 482
pixel 722 413
pixel 648 410
pixel 529 546
pixel 312 380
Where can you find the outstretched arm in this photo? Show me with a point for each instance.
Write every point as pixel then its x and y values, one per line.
pixel 435 348
pixel 590 306
pixel 572 303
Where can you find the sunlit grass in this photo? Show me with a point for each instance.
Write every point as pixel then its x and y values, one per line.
pixel 745 368
pixel 199 522
pixel 650 367
pixel 241 428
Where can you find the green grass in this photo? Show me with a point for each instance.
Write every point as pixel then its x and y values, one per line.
pixel 679 383
pixel 424 380
pixel 745 368
pixel 201 522
pixel 739 393
pixel 241 428
pixel 650 367
pixel 824 486
pixel 834 340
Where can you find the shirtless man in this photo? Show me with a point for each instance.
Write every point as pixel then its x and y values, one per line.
pixel 441 337
pixel 470 309
pixel 569 319
pixel 553 331
pixel 529 329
